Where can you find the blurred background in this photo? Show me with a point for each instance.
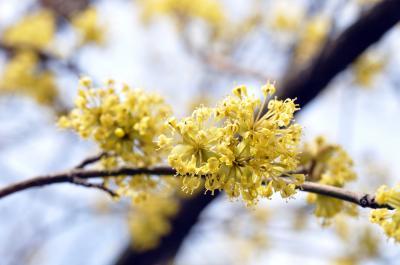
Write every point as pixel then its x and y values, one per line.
pixel 191 52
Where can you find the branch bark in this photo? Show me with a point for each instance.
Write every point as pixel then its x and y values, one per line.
pixel 90 160
pixel 308 81
pixel 361 199
pixel 71 176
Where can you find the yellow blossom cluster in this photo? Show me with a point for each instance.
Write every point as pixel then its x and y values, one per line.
pixel 124 122
pixel 387 219
pixel 87 24
pixel 330 165
pixel 209 11
pixel 29 42
pixel 286 16
pixel 237 147
pixel 150 219
pixel 33 31
pixel 312 37
pixel 23 75
pixel 366 68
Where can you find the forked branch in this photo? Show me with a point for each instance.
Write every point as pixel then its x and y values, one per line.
pixel 81 176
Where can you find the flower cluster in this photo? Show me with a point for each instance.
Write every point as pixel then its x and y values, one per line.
pixel 366 68
pixel 330 165
pixel 87 24
pixel 312 37
pixel 286 16
pixel 237 147
pixel 209 11
pixel 23 75
pixel 33 31
pixel 125 123
pixel 388 220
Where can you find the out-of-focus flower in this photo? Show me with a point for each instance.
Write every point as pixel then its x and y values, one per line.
pixel 313 35
pixel 33 31
pixel 22 75
pixel 329 165
pixel 87 24
pixel 367 67
pixel 209 11
pixel 285 16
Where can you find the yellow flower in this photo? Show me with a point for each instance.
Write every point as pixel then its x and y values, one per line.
pixel 331 165
pixel 23 75
pixel 388 220
pixel 285 16
pixel 87 24
pixel 324 206
pixel 33 31
pixel 312 37
pixel 209 11
pixel 367 67
pixel 125 123
pixel 119 133
pixel 379 216
pixel 391 196
pixel 236 148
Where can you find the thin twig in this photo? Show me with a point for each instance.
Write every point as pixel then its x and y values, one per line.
pixel 364 200
pixel 222 63
pixel 68 177
pixel 87 184
pixel 90 160
pixel 44 57
pixel 77 175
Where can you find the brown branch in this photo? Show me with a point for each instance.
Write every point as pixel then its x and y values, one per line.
pixel 224 64
pixel 90 160
pixel 80 177
pixel 44 57
pixel 87 184
pixel 364 200
pixel 70 177
pixel 220 62
pixel 308 81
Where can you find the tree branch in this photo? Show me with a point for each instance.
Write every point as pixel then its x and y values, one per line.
pixel 80 177
pixel 364 200
pixel 87 184
pixel 70 177
pixel 44 57
pixel 308 81
pixel 220 62
pixel 90 160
